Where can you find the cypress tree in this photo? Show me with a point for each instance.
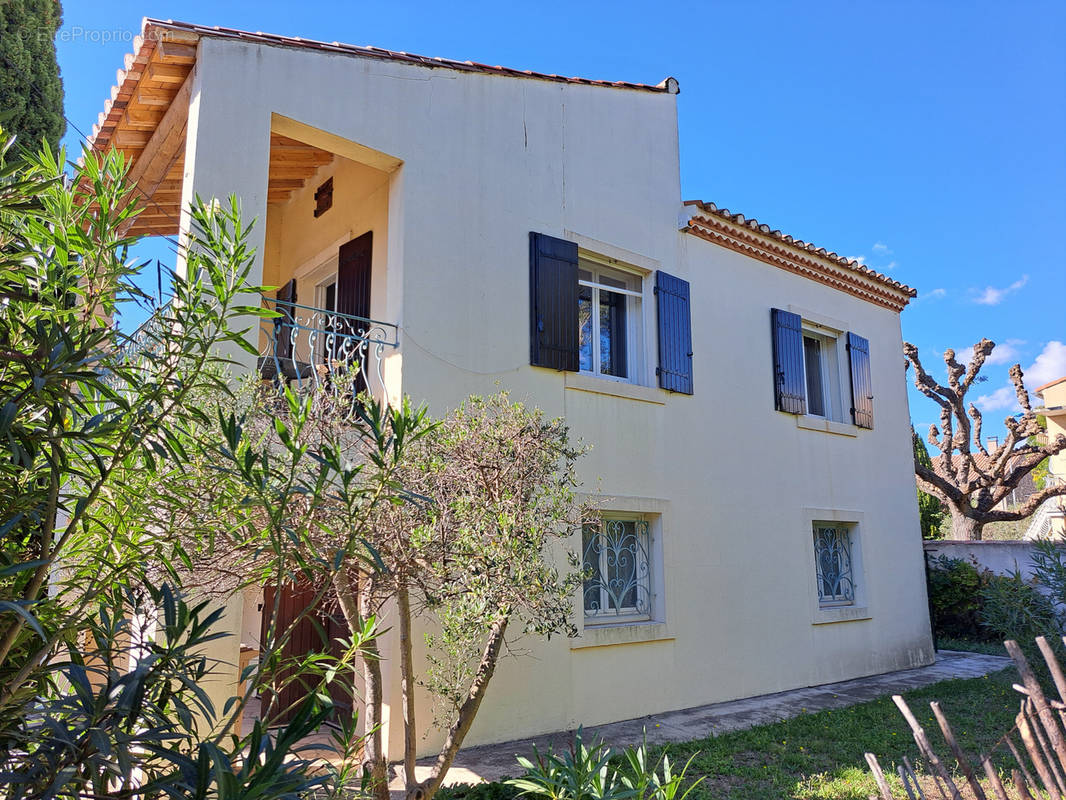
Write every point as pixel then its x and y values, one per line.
pixel 31 91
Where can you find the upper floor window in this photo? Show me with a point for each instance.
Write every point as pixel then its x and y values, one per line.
pixel 821 374
pixel 586 316
pixel 807 360
pixel 609 321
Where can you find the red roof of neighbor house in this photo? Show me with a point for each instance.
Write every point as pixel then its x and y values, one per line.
pixel 1049 384
pixel 669 85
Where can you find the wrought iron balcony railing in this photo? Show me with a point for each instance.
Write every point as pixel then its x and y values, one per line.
pixel 305 346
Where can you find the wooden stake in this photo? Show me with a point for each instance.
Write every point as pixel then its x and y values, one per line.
pixel 879 777
pixel 994 781
pixel 1038 732
pixel 1047 716
pixel 926 749
pixel 956 751
pixel 1021 762
pixel 1033 750
pixel 911 777
pixel 1019 784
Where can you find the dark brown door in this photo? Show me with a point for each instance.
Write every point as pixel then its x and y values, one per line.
pixel 320 631
pixel 353 297
pixel 353 276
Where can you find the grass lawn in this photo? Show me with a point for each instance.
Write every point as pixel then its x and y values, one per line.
pixel 820 755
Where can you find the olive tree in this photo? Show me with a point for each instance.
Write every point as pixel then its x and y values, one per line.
pixel 469 544
pixel 967 475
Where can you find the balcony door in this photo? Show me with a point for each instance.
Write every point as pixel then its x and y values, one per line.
pixel 353 277
pixel 349 293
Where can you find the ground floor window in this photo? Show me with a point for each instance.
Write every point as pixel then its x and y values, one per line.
pixel 833 564
pixel 616 559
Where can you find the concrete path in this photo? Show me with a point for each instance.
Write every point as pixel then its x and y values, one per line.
pixel 492 762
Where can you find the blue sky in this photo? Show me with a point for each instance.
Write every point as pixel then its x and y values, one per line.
pixel 927 138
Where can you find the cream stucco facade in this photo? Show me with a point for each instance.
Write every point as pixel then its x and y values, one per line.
pixel 452 169
pixel 1054 409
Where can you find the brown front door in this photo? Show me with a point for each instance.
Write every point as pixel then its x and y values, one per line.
pixel 318 632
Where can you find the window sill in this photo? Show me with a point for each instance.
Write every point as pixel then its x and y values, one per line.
pixel 829 616
pixel 590 383
pixel 810 423
pixel 622 634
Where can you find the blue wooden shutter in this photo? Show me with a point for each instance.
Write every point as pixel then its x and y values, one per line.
pixel 787 334
pixel 283 325
pixel 553 335
pixel 862 392
pixel 675 333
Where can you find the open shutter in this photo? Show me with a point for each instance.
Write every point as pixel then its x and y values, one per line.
pixel 675 333
pixel 862 392
pixel 283 325
pixel 353 277
pixel 553 335
pixel 787 333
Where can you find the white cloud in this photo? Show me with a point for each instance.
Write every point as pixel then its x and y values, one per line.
pixel 991 296
pixel 1048 366
pixel 932 294
pixel 877 261
pixel 1005 352
pixel 1002 398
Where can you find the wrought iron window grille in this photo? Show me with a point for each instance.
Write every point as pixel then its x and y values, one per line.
pixel 616 559
pixel 833 564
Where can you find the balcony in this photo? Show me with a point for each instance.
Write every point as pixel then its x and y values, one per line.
pixel 304 346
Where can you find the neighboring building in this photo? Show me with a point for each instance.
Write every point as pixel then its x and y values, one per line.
pixel 1050 518
pixel 744 391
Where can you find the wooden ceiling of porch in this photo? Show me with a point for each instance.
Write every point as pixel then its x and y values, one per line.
pixel 146 119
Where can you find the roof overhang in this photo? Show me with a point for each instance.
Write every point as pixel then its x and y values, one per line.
pixel 752 238
pixel 146 116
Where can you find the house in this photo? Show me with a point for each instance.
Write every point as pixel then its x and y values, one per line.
pixel 523 229
pixel 1049 520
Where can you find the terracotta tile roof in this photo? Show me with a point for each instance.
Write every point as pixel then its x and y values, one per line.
pixel 1049 384
pixel 668 85
pixel 800 247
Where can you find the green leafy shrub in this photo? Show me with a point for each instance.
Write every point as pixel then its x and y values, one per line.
pixel 1013 608
pixel 598 773
pixel 1049 569
pixel 497 790
pixel 954 597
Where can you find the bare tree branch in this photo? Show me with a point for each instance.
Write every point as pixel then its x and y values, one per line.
pixel 969 478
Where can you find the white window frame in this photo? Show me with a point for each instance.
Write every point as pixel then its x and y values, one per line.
pixel 634 309
pixel 829 355
pixel 861 606
pixel 645 565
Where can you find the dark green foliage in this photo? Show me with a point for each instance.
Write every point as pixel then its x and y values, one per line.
pixel 500 790
pixel 31 91
pixel 930 509
pixel 1013 608
pixel 104 498
pixel 109 720
pixel 598 772
pixel 973 604
pixel 954 597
